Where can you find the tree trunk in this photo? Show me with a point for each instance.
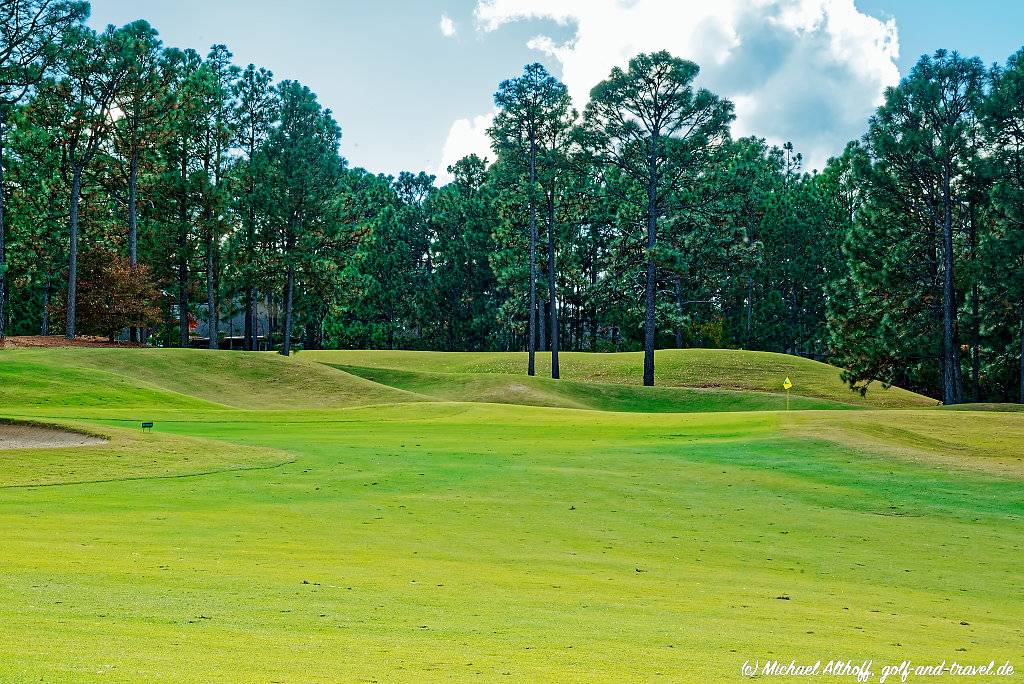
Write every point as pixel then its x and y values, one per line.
pixel 76 193
pixel 251 309
pixel 311 333
pixel 212 309
pixel 1022 354
pixel 652 236
pixel 273 314
pixel 679 307
pixel 593 287
pixel 975 316
pixel 133 223
pixel 552 287
pixel 3 246
pixel 542 318
pixel 247 333
pixel 794 325
pixel 44 329
pixel 975 346
pixel 750 311
pixel 183 331
pixel 532 335
pixel 951 383
pixel 286 343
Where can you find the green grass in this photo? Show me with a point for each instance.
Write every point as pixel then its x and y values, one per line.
pixel 182 378
pixel 508 389
pixel 52 379
pixel 1006 408
pixel 695 368
pixel 130 454
pixel 435 540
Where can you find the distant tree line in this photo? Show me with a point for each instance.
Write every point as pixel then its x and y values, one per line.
pixel 145 188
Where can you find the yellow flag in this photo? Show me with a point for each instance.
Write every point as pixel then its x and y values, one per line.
pixel 787 384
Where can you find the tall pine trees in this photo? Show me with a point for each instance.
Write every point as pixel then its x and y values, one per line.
pixel 302 168
pixel 653 127
pixel 527 131
pixel 32 40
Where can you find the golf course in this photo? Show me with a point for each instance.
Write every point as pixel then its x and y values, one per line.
pixel 419 516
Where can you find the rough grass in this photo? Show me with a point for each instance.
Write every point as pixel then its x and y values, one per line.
pixel 696 368
pixel 434 540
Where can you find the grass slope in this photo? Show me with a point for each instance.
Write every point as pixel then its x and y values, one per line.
pixel 184 378
pixel 989 441
pixel 504 389
pixel 53 379
pixel 697 368
pixel 428 541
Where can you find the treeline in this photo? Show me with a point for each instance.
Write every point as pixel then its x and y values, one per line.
pixel 148 188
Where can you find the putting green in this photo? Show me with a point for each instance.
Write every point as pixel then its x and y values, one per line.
pixel 310 538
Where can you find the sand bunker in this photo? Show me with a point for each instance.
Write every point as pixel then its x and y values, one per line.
pixel 20 436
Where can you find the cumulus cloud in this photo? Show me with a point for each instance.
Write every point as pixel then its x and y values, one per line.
pixel 810 71
pixel 466 136
pixel 447 26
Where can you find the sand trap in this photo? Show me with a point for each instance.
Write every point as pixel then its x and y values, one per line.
pixel 20 436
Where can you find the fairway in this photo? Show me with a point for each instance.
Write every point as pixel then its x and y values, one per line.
pixel 299 536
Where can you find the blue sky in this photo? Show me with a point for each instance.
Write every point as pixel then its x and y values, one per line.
pixel 411 82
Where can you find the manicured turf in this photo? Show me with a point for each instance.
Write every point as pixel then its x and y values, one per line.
pixel 434 540
pixel 702 368
pixel 511 389
pixel 263 381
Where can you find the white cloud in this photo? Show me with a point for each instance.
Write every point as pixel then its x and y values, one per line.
pixel 810 71
pixel 466 136
pixel 447 26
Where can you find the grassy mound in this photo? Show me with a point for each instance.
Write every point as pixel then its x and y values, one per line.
pixel 696 368
pixel 44 379
pixel 192 379
pixel 524 390
pixel 180 379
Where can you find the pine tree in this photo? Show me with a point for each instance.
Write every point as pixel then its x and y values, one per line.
pixel 921 142
pixel 255 112
pixel 303 167
pixel 533 109
pixel 93 68
pixel 144 104
pixel 1004 124
pixel 32 40
pixel 650 124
